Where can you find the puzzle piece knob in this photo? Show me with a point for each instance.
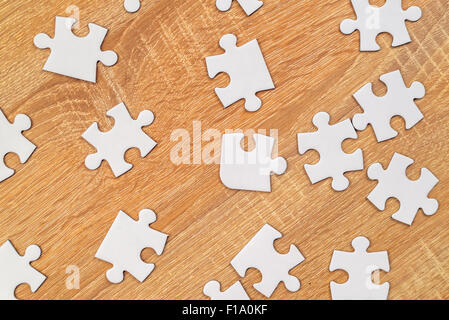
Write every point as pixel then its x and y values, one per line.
pixel 146 118
pixel 347 26
pixel 115 275
pixel 211 288
pixel 430 207
pixel 42 41
pixel 360 244
pixel 253 104
pixel 413 13
pixel 23 122
pixel 132 5
pixel 418 89
pixel 375 171
pixel 279 165
pixel 224 5
pixel 340 183
pixel 108 58
pixel 292 284
pixel 32 253
pixel 359 121
pixel 321 119
pixel 228 41
pixel 93 161
pixel 147 216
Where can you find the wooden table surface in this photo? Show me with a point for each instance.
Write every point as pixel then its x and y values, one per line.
pixel 54 201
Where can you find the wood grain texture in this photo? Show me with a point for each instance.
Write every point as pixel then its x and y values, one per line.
pixel 55 202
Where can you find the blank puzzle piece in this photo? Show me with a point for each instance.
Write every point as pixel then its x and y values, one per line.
pixel 393 183
pixel 125 242
pixel 249 6
pixel 132 5
pixel 247 69
pixel 212 289
pixel 399 101
pixel 360 266
pixel 74 56
pixel 372 20
pixel 334 162
pixel 16 270
pixel 259 253
pixel 127 133
pixel 12 140
pixel 251 171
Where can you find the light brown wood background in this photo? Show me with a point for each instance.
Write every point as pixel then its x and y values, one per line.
pixel 55 202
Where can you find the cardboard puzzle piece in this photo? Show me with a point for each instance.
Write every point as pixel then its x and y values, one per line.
pixel 16 270
pixel 247 69
pixel 125 242
pixel 212 289
pixel 259 253
pixel 127 133
pixel 251 171
pixel 12 140
pixel 373 20
pixel 249 6
pixel 334 162
pixel 132 5
pixel 399 101
pixel 394 183
pixel 360 266
pixel 74 56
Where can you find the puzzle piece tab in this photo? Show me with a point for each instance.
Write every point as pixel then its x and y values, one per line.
pixel 247 69
pixel 12 140
pixel 125 242
pixel 73 56
pixel 126 134
pixel 212 289
pixel 132 5
pixel 249 6
pixel 259 253
pixel 252 170
pixel 399 101
pixel 16 270
pixel 393 183
pixel 360 266
pixel 334 162
pixel 372 20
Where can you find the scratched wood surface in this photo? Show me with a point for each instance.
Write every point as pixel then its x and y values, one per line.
pixel 56 202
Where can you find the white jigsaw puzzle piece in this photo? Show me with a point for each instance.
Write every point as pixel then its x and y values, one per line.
pixel 249 6
pixel 74 56
pixel 247 69
pixel 12 140
pixel 251 171
pixel 132 5
pixel 394 183
pixel 259 253
pixel 334 162
pixel 16 270
pixel 399 101
pixel 212 289
pixel 372 20
pixel 124 243
pixel 360 266
pixel 127 133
